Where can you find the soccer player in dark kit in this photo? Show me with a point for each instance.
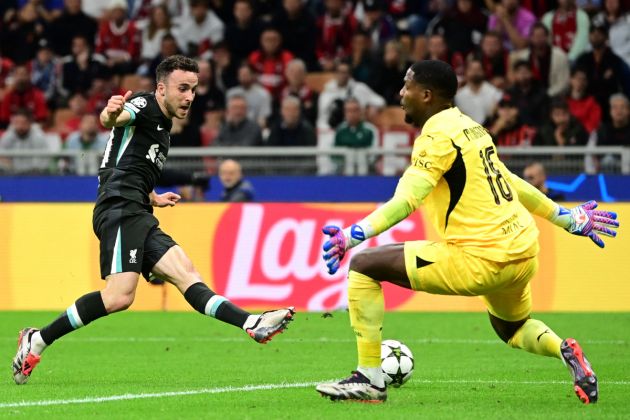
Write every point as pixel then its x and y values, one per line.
pixel 131 241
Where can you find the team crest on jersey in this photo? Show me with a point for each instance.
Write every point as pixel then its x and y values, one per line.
pixel 140 102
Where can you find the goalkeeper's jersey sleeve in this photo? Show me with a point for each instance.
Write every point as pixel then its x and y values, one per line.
pixel 472 203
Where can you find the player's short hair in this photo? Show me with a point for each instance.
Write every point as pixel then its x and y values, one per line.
pixel 618 96
pixel 23 112
pixel 175 62
pixel 436 75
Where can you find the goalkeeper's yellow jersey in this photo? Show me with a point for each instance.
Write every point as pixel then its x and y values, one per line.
pixel 474 203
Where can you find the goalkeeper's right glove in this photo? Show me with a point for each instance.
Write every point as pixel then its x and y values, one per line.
pixel 584 220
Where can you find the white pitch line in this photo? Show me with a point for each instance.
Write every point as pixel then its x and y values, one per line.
pixel 299 340
pixel 124 397
pixel 264 387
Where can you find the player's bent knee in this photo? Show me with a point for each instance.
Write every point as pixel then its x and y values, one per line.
pixel 361 261
pixel 505 329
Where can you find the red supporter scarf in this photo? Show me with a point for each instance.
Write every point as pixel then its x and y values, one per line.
pixel 563 28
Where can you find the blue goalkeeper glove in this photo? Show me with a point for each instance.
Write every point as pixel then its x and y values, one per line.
pixel 584 220
pixel 334 248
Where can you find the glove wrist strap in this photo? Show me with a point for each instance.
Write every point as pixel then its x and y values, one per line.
pixel 357 233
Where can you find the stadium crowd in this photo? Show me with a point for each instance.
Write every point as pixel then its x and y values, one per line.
pixel 278 72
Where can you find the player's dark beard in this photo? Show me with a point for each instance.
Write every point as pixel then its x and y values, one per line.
pixel 409 120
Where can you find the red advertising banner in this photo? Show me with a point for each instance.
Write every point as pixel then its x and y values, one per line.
pixel 272 255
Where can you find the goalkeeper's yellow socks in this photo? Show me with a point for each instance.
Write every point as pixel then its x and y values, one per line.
pixel 536 337
pixel 367 308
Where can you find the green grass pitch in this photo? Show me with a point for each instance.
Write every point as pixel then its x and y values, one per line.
pixel 183 365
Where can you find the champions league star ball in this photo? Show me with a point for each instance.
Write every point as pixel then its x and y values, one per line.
pixel 396 362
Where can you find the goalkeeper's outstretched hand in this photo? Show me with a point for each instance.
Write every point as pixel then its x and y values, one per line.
pixel 334 248
pixel 584 220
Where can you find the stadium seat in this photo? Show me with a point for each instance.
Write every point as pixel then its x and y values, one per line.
pixel 316 81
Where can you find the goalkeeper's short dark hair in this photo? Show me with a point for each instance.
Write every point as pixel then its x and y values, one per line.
pixel 437 76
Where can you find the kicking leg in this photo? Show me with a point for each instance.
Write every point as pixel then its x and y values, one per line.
pixel 367 307
pixel 536 337
pixel 176 268
pixel 118 295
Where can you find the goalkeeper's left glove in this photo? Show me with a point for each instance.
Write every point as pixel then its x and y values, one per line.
pixel 584 220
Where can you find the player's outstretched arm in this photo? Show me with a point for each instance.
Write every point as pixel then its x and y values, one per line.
pixel 115 114
pixel 582 220
pixel 410 192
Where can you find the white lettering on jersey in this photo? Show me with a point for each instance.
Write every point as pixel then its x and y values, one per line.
pixel 108 149
pixel 152 154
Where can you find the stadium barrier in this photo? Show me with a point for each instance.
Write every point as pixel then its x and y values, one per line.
pixel 269 255
pixel 389 159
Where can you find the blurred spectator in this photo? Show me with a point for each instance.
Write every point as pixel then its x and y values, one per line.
pixel 6 68
pixel 22 134
pixel 299 31
pixel 605 69
pixel 336 91
pixel 477 97
pixel 207 96
pixel 23 95
pixel 376 24
pixel 44 73
pixel 168 47
pixel 88 136
pixel 185 133
pixel 291 129
pixel 562 129
pixel 462 26
pixel 513 22
pixel 258 98
pixel 80 69
pixel 270 62
pixel 438 50
pixel 21 33
pixel 616 132
pixel 362 58
pixel 617 18
pixel 76 105
pixel 159 25
pixel 235 187
pixel 296 86
pixel 238 130
pixel 334 30
pixel 410 15
pixel 226 67
pixel 199 31
pixel 549 64
pixel 242 35
pixel 534 173
pixel 508 129
pixel 71 23
pixel 118 39
pixel 354 132
pixel 583 106
pixel 495 59
pixel 569 28
pixel 94 9
pixel 529 95
pixel 390 72
pixel 103 88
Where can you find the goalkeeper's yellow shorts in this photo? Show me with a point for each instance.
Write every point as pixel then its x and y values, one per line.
pixel 445 269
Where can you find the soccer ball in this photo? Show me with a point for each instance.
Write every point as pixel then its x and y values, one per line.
pixel 396 362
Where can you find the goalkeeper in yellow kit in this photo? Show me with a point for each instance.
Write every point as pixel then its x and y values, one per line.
pixel 489 246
